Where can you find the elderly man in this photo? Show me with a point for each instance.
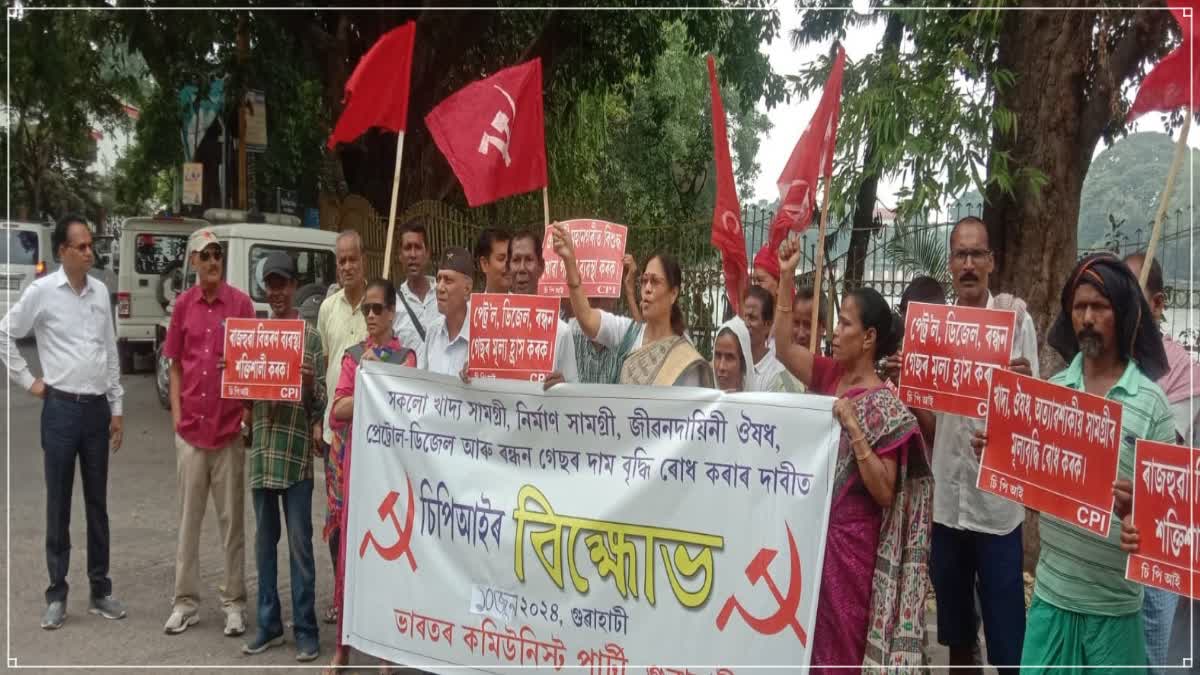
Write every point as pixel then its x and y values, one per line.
pixel 210 455
pixel 766 270
pixel 446 348
pixel 801 335
pixel 491 254
pixel 1181 384
pixel 1085 613
pixel 281 472
pixel 69 313
pixel 526 263
pixel 976 540
pixel 416 305
pixel 758 313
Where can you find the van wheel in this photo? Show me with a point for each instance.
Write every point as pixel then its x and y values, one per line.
pixel 308 302
pixel 170 284
pixel 125 358
pixel 162 377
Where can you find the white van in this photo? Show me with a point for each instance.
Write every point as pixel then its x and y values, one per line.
pixel 150 275
pixel 25 255
pixel 245 247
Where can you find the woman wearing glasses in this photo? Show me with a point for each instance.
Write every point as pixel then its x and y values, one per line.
pixel 379 308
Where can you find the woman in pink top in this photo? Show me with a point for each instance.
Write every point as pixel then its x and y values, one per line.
pixel 379 306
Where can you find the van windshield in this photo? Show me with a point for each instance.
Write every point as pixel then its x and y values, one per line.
pixel 153 253
pixel 19 247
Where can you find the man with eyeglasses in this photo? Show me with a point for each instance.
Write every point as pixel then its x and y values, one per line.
pixel 69 313
pixel 976 539
pixel 209 448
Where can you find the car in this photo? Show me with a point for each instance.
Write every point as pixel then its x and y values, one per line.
pixel 25 255
pixel 152 252
pixel 246 246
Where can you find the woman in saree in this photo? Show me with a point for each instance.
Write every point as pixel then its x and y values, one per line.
pixel 379 307
pixel 870 611
pixel 661 355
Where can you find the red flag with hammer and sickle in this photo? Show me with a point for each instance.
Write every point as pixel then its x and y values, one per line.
pixel 811 158
pixel 493 134
pixel 1168 86
pixel 727 234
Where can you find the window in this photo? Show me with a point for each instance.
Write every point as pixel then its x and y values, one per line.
pixel 153 253
pixel 19 247
pixel 313 266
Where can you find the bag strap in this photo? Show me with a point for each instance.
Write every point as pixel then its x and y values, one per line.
pixel 411 314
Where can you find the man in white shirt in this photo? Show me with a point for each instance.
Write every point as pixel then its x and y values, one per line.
pixel 976 539
pixel 449 335
pixel 416 301
pixel 758 313
pixel 526 266
pixel 69 313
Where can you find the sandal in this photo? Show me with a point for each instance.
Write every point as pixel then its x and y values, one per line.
pixel 331 614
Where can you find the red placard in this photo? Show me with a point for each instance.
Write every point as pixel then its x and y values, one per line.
pixel 1051 448
pixel 1165 479
pixel 949 351
pixel 263 359
pixel 512 336
pixel 599 252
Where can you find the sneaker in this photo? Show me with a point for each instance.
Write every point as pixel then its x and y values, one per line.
pixel 307 649
pixel 107 607
pixel 56 614
pixel 235 624
pixel 179 621
pixel 261 643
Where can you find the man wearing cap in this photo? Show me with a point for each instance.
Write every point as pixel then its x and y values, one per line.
pixel 766 270
pixel 69 313
pixel 281 470
pixel 446 344
pixel 209 451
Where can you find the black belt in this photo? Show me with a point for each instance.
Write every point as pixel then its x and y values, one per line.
pixel 51 392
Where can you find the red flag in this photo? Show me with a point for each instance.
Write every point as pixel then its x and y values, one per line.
pixel 493 134
pixel 727 234
pixel 377 91
pixel 1166 86
pixel 811 158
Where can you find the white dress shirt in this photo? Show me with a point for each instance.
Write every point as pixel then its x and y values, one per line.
pixel 957 502
pixel 446 356
pixel 75 339
pixel 765 371
pixel 426 311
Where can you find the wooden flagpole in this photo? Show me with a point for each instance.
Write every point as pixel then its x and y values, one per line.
pixel 1180 148
pixel 818 273
pixel 387 255
pixel 546 208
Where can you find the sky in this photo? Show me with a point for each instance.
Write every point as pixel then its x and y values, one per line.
pixel 790 119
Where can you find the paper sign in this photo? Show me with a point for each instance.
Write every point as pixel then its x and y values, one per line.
pixel 263 359
pixel 512 336
pixel 599 253
pixel 193 182
pixel 1051 448
pixel 1165 479
pixel 256 121
pixel 949 351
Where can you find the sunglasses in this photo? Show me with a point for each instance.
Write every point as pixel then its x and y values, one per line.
pixel 373 308
pixel 207 255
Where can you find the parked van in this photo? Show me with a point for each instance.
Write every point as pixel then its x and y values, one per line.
pixel 25 255
pixel 245 247
pixel 150 275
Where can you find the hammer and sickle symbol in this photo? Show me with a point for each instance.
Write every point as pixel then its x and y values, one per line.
pixel 785 616
pixel 500 124
pixel 403 534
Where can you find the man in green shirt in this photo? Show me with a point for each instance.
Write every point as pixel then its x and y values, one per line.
pixel 1085 613
pixel 281 470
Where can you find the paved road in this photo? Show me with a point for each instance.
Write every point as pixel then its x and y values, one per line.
pixel 143 520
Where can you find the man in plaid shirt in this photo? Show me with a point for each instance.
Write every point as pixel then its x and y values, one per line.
pixel 281 469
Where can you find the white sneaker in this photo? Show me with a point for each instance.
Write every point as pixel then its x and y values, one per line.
pixel 235 624
pixel 179 622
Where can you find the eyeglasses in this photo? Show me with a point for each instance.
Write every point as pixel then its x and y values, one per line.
pixel 373 308
pixel 82 248
pixel 975 254
pixel 214 255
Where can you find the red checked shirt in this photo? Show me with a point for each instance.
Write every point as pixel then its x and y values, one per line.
pixel 196 339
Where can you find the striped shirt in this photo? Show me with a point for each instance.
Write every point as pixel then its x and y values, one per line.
pixel 1078 571
pixel 281 447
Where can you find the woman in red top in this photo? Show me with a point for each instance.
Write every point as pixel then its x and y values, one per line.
pixel 870 611
pixel 379 306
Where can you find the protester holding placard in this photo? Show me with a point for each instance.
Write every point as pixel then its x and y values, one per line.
pixel 417 302
pixel 732 360
pixel 209 451
pixel 379 308
pixel 661 355
pixel 526 263
pixel 448 346
pixel 491 255
pixel 1181 384
pixel 977 537
pixel 284 438
pixel 874 580
pixel 598 364
pixel 1085 613
pixel 758 313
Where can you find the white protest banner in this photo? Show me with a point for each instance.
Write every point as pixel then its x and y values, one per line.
pixel 494 525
